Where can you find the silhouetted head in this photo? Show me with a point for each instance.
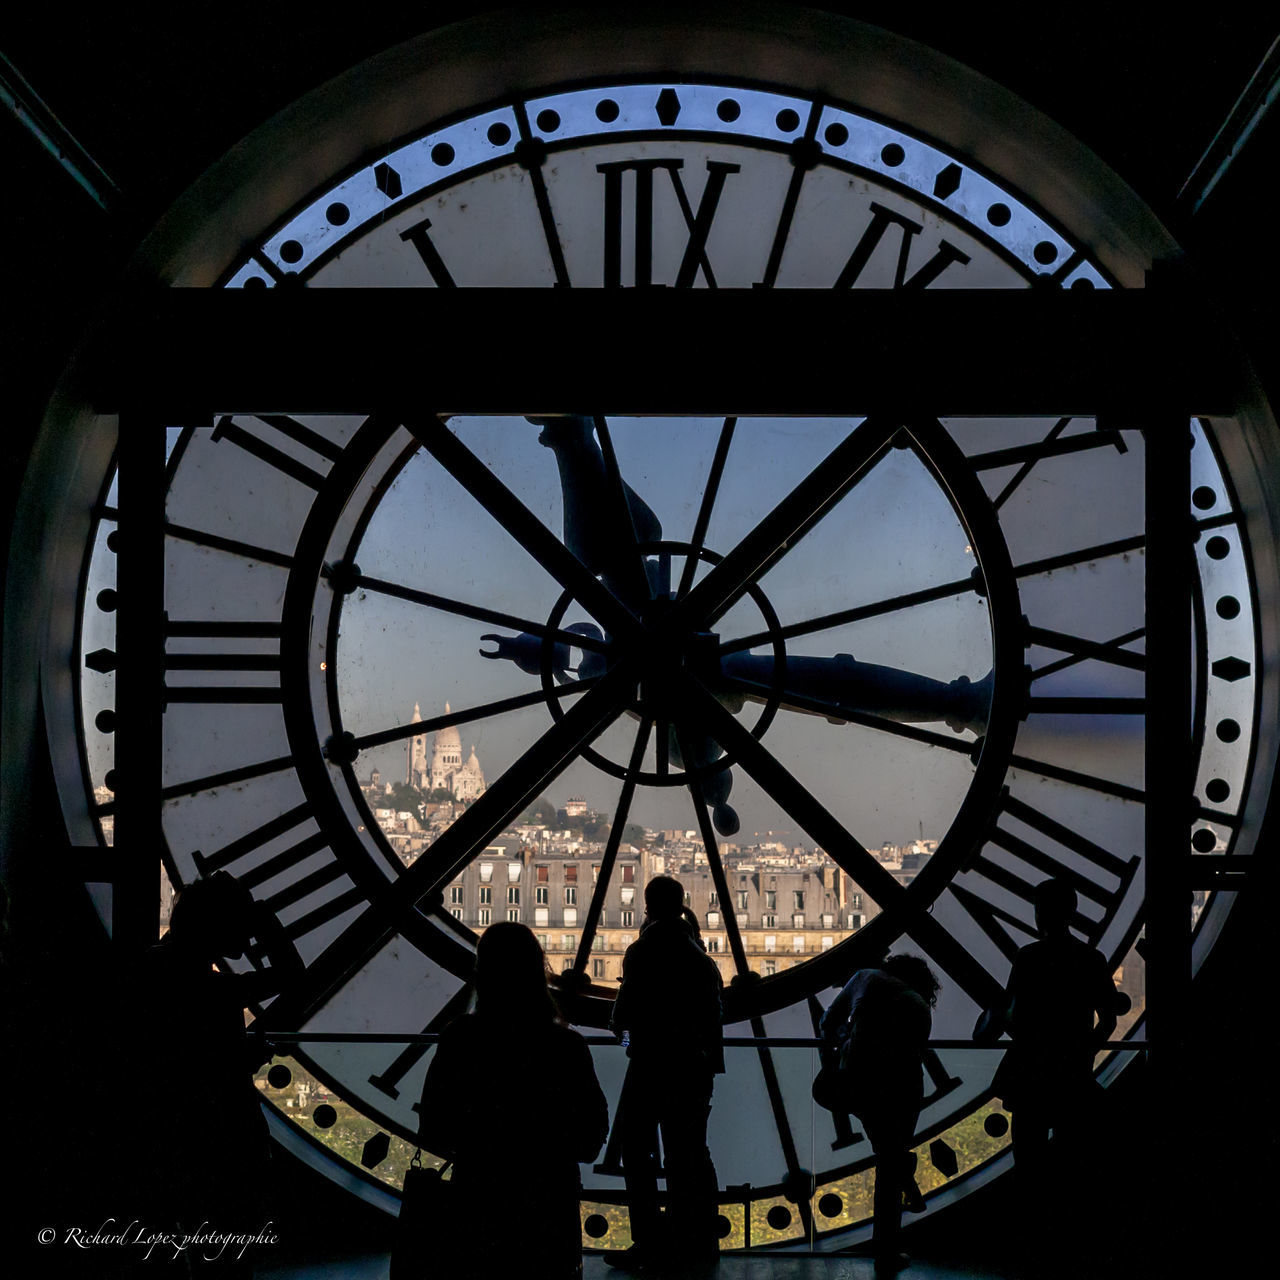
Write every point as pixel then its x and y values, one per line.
pixel 1055 904
pixel 663 898
pixel 213 917
pixel 916 974
pixel 511 974
pixel 691 923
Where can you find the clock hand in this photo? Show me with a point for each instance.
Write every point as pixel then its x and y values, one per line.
pixel 865 688
pixel 600 530
pixel 692 749
pixel 836 684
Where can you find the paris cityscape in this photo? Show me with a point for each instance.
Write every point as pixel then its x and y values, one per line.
pixel 790 901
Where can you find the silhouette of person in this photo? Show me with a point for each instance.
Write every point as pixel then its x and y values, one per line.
pixel 205 1153
pixel 879 1028
pixel 1057 987
pixel 515 1166
pixel 669 1007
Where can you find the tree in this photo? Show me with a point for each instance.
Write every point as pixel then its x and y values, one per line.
pixel 404 797
pixel 542 811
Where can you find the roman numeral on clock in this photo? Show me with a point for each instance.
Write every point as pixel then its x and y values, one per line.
pixel 226 660
pixel 882 219
pixel 262 447
pixel 1080 650
pixel 1103 880
pixel 1054 445
pixel 238 859
pixel 698 221
pixel 417 236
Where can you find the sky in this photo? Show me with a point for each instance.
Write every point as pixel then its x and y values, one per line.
pixel 895 531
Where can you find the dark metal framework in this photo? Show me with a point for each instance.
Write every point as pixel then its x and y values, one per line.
pixel 203 355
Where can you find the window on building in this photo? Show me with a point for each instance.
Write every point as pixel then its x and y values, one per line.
pixel 855 920
pixel 486 894
pixel 455 893
pixel 855 901
pixel 597 968
pixel 797 942
pixel 625 941
pixel 628 895
pixel 570 915
pixel 629 874
pixel 742 919
pixel 797 921
pixel 828 920
pixel 599 943
pixel 770 968
pixel 541 895
pixel 827 942
pixel 544 940
pixel 485 916
pixel 797 899
pixel 513 872
pixel 742 899
pixel 571 875
pixel 541 916
pixel 595 872
pixel 543 874
pixel 713 919
pixel 567 965
pixel 486 872
pixel 628 919
pixel 771 899
pixel 513 914
pixel 566 942
pixel 513 894
pixel 571 895
pixel 769 922
pixel 713 944
pixel 713 899
pixel 770 942
pixel 456 912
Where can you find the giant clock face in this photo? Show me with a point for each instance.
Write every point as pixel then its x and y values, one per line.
pixel 830 634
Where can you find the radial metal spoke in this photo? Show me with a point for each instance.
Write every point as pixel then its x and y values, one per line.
pixel 463 609
pixel 777 1105
pixel 523 525
pixel 795 799
pixel 611 847
pixel 709 493
pixel 476 827
pixel 779 531
pixel 910 599
pixel 480 712
pixel 832 711
pixel 837 842
pixel 858 613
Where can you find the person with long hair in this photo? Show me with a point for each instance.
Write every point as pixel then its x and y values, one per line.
pixel 879 1027
pixel 512 1098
